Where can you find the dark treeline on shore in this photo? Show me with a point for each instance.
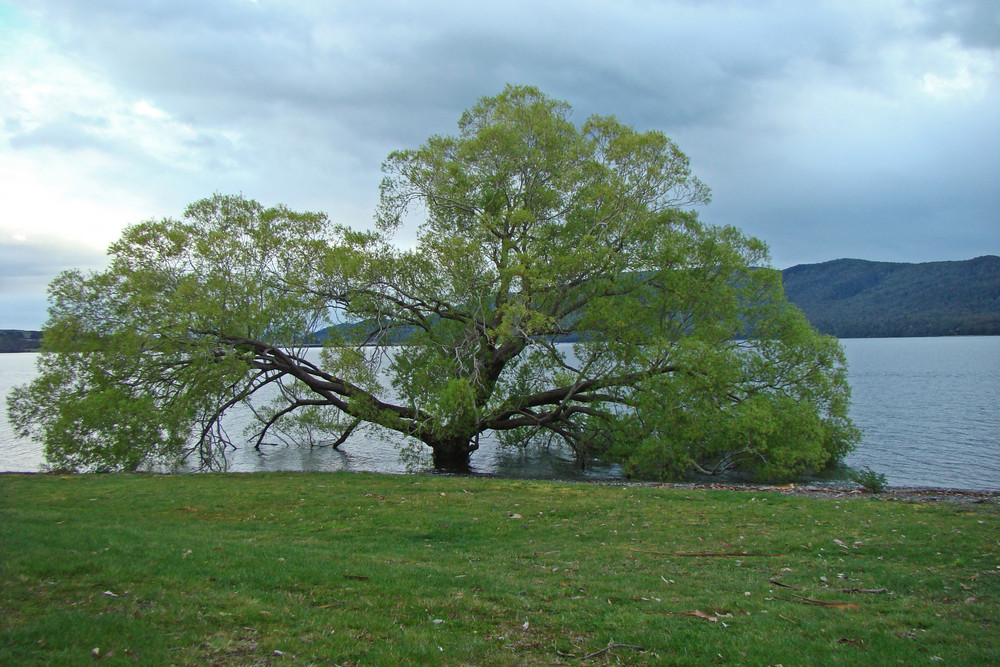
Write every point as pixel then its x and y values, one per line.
pixel 15 340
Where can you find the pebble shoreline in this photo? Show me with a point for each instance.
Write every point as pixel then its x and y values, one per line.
pixel 893 493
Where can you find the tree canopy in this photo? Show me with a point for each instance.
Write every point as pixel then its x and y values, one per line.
pixel 532 231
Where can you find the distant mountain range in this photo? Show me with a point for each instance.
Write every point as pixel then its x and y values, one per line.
pixel 850 298
pixel 853 298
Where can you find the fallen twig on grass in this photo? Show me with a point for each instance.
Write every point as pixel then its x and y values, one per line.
pixel 700 554
pixel 700 614
pixel 610 647
pixel 859 643
pixel 864 590
pixel 696 613
pixel 820 603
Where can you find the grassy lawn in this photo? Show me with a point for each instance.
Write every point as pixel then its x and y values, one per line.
pixel 365 569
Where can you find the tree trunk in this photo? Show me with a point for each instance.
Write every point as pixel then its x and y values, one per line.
pixel 452 454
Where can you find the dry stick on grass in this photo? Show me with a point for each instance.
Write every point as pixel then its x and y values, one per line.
pixel 696 613
pixel 820 603
pixel 706 554
pixel 610 647
pixel 864 590
pixel 842 590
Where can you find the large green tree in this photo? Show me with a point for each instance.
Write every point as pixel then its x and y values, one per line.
pixel 532 231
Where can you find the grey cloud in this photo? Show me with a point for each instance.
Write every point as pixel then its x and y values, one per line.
pixel 26 269
pixel 976 23
pixel 22 310
pixel 258 63
pixel 399 71
pixel 71 134
pixel 43 259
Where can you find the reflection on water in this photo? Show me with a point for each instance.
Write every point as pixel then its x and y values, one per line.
pixel 376 455
pixel 927 405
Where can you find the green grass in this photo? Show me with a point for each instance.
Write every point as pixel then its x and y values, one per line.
pixel 366 569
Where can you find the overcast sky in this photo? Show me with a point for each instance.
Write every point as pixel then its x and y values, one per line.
pixel 829 129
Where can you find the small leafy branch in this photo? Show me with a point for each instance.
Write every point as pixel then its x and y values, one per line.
pixel 870 480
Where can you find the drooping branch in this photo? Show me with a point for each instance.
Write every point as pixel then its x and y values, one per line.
pixel 334 391
pixel 726 462
pixel 211 428
pixel 347 433
pixel 277 416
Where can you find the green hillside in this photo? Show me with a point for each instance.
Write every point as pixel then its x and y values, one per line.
pixel 852 298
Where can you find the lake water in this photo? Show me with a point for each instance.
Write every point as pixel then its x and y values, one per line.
pixel 929 407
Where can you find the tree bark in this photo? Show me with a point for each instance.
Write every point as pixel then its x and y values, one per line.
pixel 452 454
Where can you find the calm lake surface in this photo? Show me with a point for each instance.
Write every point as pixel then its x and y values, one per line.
pixel 930 409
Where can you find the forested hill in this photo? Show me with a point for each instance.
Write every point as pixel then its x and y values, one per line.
pixel 15 340
pixel 853 298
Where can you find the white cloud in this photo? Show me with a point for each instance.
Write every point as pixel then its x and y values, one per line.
pixel 968 75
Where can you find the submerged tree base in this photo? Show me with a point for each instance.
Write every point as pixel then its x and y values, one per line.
pixel 453 456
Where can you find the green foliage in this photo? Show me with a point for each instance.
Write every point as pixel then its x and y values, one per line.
pixel 875 482
pixel 533 230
